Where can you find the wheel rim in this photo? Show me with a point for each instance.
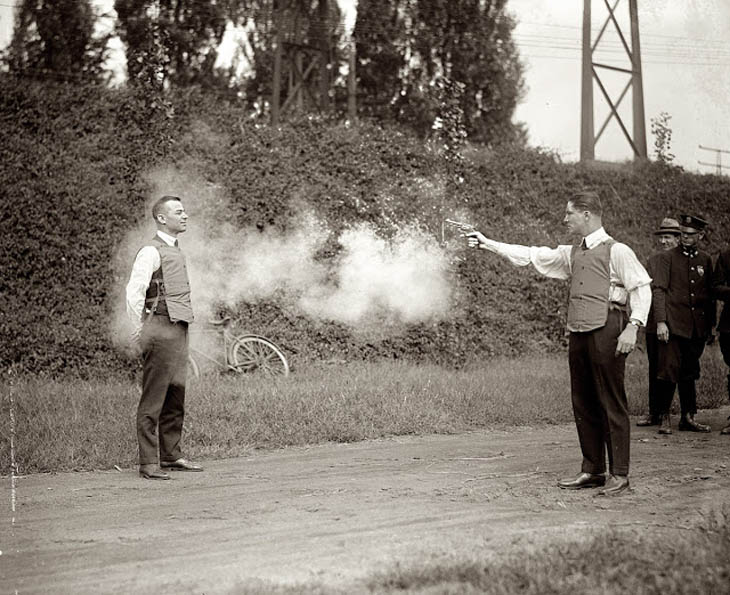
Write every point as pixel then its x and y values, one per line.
pixel 253 355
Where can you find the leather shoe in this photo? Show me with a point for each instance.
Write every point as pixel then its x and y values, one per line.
pixel 665 425
pixel 152 472
pixel 615 485
pixel 583 480
pixel 648 420
pixel 180 465
pixel 688 424
pixel 726 430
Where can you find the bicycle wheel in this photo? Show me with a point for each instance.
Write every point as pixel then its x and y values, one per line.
pixel 193 367
pixel 256 355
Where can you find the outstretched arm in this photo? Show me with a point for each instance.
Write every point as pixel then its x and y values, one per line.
pixel 551 262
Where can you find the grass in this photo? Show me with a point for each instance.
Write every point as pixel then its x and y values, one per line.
pixel 682 561
pixel 74 425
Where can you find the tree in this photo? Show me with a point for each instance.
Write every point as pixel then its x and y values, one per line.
pixel 189 32
pixel 56 38
pixel 662 132
pixel 405 46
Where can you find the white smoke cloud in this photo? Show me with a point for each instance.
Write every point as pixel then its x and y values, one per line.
pixel 402 279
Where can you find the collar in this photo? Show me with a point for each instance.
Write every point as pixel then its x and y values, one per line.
pixel 166 237
pixel 691 252
pixel 595 238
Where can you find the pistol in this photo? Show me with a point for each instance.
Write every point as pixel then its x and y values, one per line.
pixel 465 227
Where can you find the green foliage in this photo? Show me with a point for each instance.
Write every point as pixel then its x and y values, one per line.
pixel 662 132
pixel 73 165
pixel 180 36
pixel 693 560
pixel 403 47
pixel 72 424
pixel 57 39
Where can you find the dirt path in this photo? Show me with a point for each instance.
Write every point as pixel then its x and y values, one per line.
pixel 334 513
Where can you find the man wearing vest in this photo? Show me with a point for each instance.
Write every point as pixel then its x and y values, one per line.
pixel 605 279
pixel 158 302
pixel 685 314
pixel 667 238
pixel 721 292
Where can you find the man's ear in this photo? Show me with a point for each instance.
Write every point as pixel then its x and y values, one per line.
pixel 160 218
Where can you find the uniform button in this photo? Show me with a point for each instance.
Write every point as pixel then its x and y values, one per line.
pixel 692 281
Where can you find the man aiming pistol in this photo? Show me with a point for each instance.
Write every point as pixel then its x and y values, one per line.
pixel 606 279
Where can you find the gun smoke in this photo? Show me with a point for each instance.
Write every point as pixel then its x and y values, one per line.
pixel 373 282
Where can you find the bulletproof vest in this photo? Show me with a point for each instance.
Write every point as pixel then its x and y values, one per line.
pixel 169 290
pixel 589 287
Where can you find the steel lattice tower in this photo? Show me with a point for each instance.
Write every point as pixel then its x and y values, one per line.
pixel 591 72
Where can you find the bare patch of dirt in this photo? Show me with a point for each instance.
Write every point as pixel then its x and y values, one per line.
pixel 338 512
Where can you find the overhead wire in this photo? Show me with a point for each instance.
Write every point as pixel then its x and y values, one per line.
pixel 703 53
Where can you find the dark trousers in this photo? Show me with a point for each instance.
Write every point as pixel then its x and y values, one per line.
pixel 679 367
pixel 652 354
pixel 599 398
pixel 162 406
pixel 724 341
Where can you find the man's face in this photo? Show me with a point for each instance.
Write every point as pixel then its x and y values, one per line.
pixel 575 221
pixel 667 241
pixel 690 236
pixel 173 217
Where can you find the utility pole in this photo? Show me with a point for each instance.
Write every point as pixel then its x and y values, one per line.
pixel 718 159
pixel 590 73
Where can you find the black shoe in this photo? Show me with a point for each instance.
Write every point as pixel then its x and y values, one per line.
pixel 665 425
pixel 648 420
pixel 615 485
pixel 180 465
pixel 688 424
pixel 726 430
pixel 152 472
pixel 583 480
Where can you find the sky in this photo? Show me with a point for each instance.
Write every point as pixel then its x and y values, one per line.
pixel 685 61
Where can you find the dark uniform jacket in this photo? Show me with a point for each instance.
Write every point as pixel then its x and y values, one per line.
pixel 650 268
pixel 682 295
pixel 721 289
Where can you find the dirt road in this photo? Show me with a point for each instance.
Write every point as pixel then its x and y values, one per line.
pixel 337 512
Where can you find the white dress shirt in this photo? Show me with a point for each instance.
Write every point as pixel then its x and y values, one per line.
pixel 624 268
pixel 146 263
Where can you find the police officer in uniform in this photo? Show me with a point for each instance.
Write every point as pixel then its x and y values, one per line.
pixel 721 291
pixel 667 237
pixel 158 303
pixel 685 313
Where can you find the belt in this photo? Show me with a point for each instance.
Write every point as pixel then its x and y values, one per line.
pixel 162 316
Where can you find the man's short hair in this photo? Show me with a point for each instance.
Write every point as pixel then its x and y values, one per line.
pixel 159 205
pixel 587 200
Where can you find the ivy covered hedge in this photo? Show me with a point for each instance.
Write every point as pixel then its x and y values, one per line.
pixel 74 165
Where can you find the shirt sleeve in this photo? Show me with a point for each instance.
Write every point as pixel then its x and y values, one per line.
pixel 145 264
pixel 550 262
pixel 634 278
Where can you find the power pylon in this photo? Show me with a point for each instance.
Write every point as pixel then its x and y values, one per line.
pixel 718 159
pixel 591 71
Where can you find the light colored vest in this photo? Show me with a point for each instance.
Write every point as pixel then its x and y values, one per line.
pixel 589 287
pixel 169 290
